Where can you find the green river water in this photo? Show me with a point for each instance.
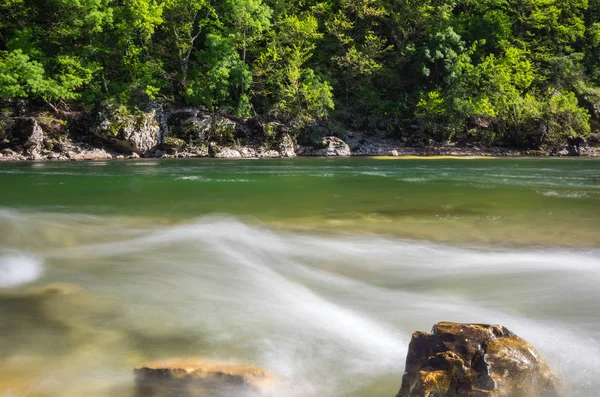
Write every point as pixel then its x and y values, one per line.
pixel 317 270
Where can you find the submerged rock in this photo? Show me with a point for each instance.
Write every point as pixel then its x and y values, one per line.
pixel 196 377
pixel 473 360
pixel 55 289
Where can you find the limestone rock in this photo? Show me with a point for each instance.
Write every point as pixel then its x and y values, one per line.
pixel 286 146
pixel 29 133
pixel 189 124
pixel 474 360
pixel 137 133
pixel 269 154
pixel 333 147
pixel 199 377
pixel 10 155
pixel 89 154
pixel 247 152
pixel 330 146
pixel 227 153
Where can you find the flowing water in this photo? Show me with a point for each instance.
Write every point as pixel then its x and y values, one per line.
pixel 317 270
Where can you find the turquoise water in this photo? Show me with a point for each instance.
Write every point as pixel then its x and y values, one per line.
pixel 317 270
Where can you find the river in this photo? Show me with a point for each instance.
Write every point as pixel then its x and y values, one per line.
pixel 317 270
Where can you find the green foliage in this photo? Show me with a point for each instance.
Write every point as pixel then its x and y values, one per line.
pixel 292 91
pixel 175 143
pixel 21 77
pixel 223 79
pixel 520 72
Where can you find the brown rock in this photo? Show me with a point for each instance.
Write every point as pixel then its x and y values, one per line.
pixel 197 377
pixel 473 360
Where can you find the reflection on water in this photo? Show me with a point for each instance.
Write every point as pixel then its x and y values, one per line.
pixel 84 299
pixel 525 202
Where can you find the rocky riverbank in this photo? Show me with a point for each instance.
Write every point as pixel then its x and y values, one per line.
pixel 189 133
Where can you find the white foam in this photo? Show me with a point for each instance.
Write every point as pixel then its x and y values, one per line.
pixel 552 193
pixel 18 268
pixel 190 178
pixel 413 180
pixel 329 314
pixel 203 179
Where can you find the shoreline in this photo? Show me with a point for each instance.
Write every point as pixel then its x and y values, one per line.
pixel 86 153
pixel 190 133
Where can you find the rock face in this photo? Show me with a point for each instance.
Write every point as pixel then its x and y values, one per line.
pixel 196 377
pixel 137 133
pixel 473 360
pixel 286 146
pixel 29 133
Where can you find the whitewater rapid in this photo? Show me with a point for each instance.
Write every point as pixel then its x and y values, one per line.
pixel 330 314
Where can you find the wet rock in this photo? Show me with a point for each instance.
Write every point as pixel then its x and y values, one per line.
pixel 196 377
pixel 55 289
pixel 473 360
pixel 134 156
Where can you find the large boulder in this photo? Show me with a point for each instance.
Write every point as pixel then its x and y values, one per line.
pixel 228 153
pixel 330 146
pixel 333 146
pixel 474 360
pixel 29 133
pixel 286 146
pixel 276 137
pixel 137 133
pixel 197 377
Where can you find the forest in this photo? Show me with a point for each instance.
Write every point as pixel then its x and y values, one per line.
pixel 496 72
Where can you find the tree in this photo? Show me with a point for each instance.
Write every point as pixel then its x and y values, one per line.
pixel 247 21
pixel 187 21
pixel 21 77
pixel 222 79
pixel 293 92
